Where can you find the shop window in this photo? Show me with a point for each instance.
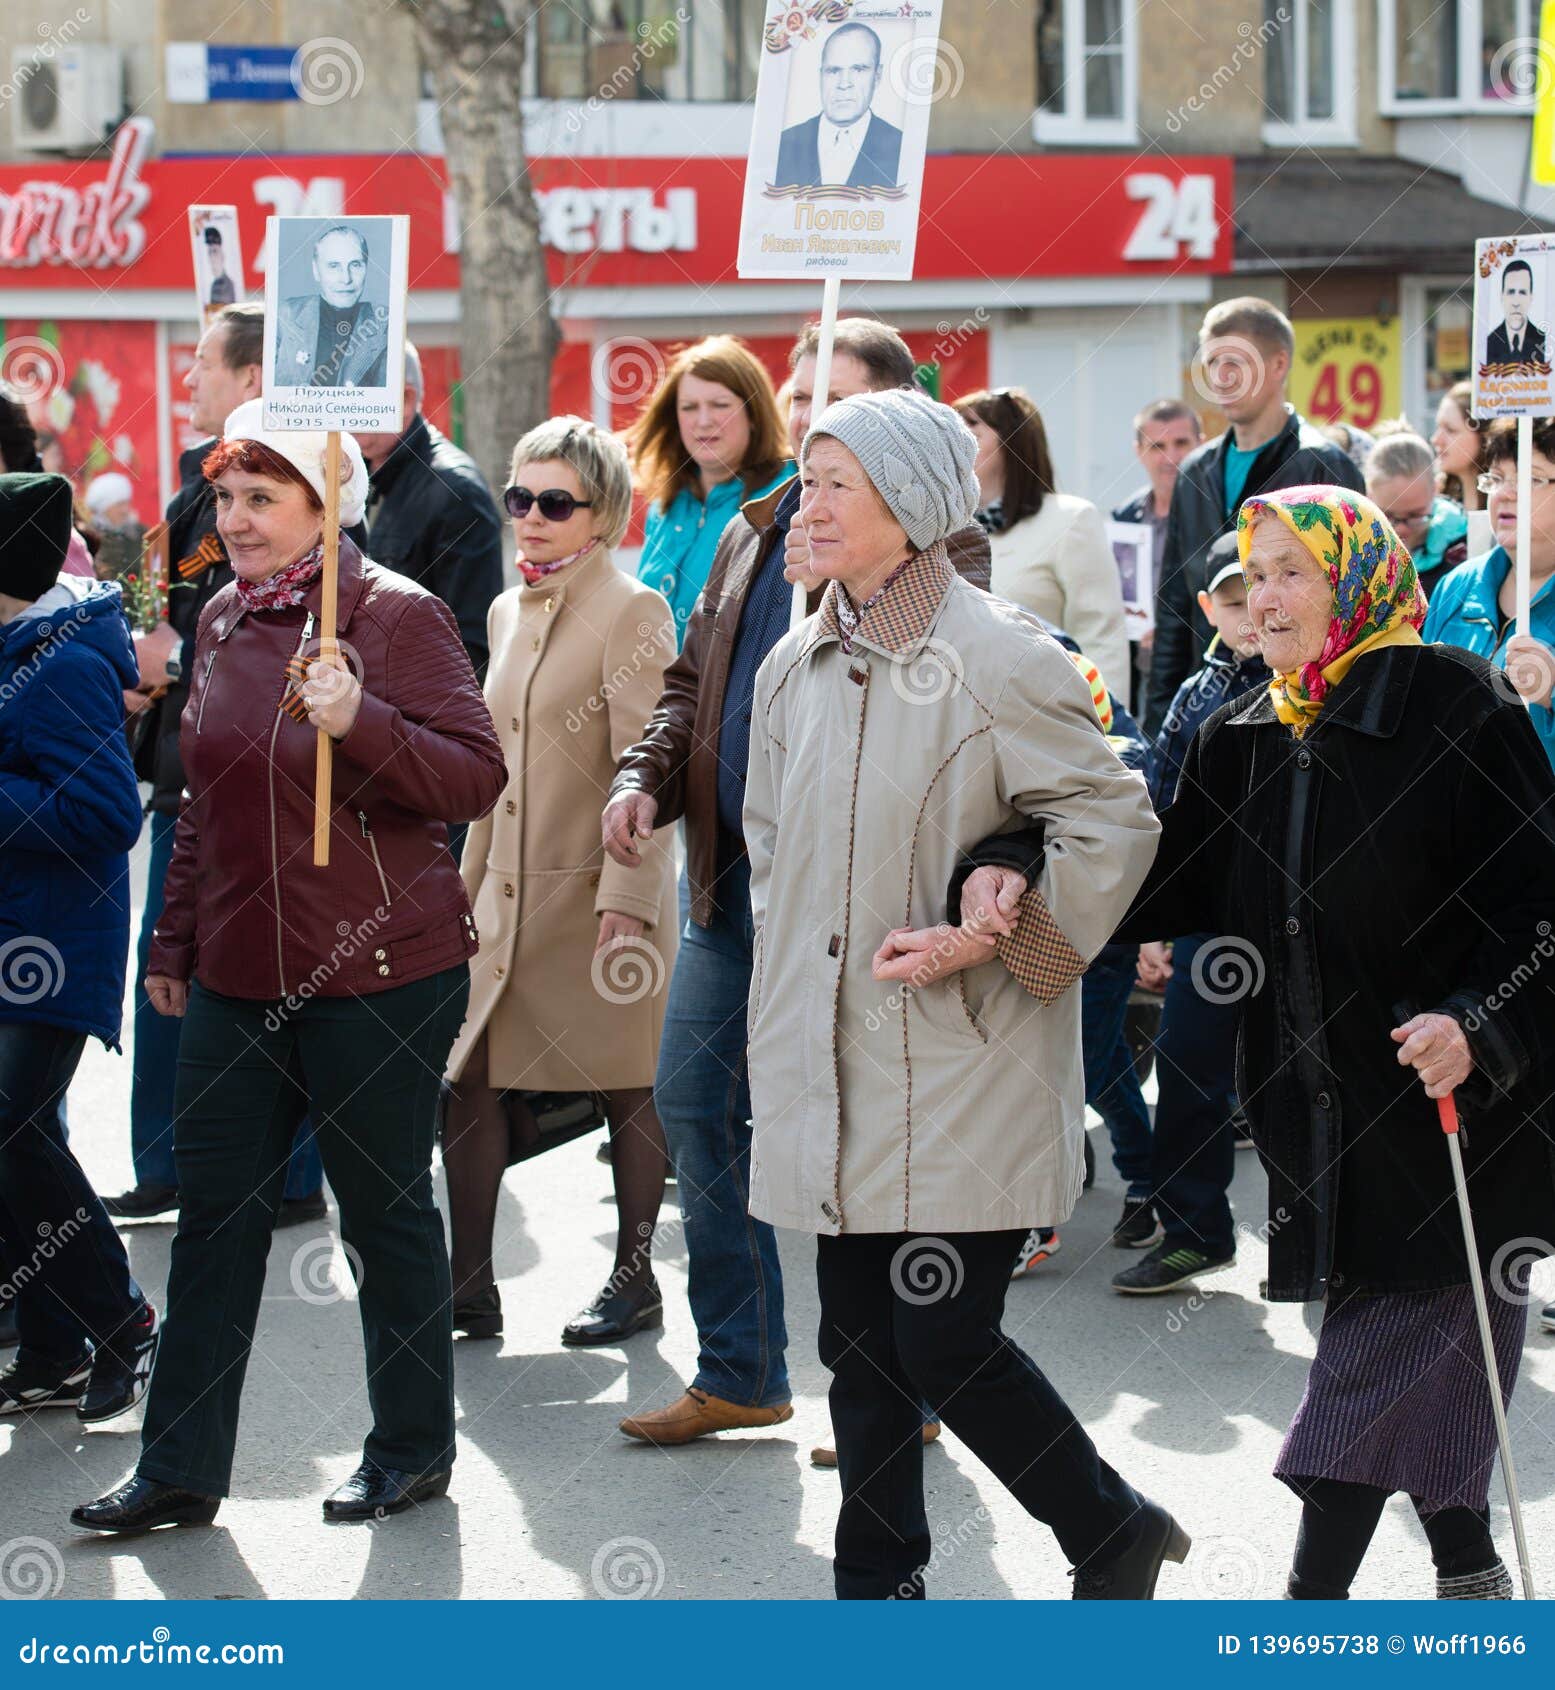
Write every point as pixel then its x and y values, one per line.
pixel 646 50
pixel 1309 72
pixel 1449 317
pixel 1453 56
pixel 1086 71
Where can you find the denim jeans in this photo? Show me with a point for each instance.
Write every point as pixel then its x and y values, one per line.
pixel 62 1259
pixel 1195 1144
pixel 154 1055
pixel 703 1097
pixel 887 1351
pixel 1111 1083
pixel 372 1067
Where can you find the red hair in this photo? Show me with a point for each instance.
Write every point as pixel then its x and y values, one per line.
pixel 255 459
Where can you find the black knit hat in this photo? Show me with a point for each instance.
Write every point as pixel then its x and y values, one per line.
pixel 35 519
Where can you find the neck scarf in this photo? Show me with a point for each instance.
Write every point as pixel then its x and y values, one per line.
pixel 534 573
pixel 848 618
pixel 1376 592
pixel 287 587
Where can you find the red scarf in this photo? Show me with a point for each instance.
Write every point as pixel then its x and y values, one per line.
pixel 287 587
pixel 534 573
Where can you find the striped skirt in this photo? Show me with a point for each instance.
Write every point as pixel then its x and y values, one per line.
pixel 1397 1395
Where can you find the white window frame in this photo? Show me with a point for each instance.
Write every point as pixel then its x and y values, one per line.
pixel 1389 104
pixel 1073 128
pixel 1338 130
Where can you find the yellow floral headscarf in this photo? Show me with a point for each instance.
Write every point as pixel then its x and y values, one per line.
pixel 1377 596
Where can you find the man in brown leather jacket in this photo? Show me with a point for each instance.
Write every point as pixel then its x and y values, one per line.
pixel 690 763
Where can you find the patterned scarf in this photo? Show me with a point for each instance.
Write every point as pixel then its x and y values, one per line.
pixel 1377 599
pixel 991 517
pixel 848 618
pixel 534 573
pixel 286 587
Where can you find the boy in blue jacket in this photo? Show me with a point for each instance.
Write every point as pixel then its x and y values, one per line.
pixel 1193 1154
pixel 69 813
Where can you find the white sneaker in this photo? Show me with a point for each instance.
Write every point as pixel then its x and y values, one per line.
pixel 1042 1244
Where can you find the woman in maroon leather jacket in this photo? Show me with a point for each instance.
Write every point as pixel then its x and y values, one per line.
pixel 338 988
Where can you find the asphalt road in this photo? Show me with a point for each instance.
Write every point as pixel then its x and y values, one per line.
pixel 1188 1396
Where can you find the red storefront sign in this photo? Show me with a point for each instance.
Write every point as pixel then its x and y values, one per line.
pixel 612 222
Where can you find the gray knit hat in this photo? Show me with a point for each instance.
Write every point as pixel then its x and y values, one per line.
pixel 917 452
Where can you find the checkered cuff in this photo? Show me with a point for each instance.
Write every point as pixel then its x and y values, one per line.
pixel 1038 954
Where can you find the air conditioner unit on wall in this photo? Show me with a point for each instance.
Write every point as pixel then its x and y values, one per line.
pixel 65 99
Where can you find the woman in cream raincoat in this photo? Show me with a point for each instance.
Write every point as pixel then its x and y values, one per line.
pixel 920 1132
pixel 568 991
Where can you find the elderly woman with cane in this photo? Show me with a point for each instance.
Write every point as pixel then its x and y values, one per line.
pixel 1373 836
pixel 919 1133
pixel 335 988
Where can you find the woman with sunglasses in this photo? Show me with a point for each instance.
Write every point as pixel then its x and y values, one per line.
pixel 709 439
pixel 568 990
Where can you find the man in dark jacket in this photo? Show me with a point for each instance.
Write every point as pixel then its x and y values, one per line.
pixel 431 516
pixel 1245 350
pixel 1165 432
pixel 225 372
pixel 69 813
pixel 691 763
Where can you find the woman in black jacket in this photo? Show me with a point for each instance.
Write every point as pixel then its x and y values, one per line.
pixel 1373 838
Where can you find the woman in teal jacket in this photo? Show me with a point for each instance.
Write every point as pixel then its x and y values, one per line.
pixel 1475 605
pixel 709 439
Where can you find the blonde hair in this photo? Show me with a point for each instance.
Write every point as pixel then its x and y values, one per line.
pixel 597 459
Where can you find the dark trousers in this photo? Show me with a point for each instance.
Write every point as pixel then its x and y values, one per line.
pixel 888 1352
pixel 1111 1081
pixel 1194 1149
pixel 247 1070
pixel 154 1054
pixel 62 1261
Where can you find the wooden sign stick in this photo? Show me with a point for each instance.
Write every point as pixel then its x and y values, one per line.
pixel 323 768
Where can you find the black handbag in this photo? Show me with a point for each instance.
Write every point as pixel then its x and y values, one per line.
pixel 539 1120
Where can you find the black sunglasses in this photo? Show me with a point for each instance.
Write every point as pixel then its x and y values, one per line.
pixel 555 505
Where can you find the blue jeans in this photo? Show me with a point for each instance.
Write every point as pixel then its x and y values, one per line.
pixel 1111 1083
pixel 61 1257
pixel 1195 1144
pixel 702 1093
pixel 154 1055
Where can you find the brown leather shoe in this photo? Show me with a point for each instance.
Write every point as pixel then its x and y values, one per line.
pixel 825 1455
pixel 696 1414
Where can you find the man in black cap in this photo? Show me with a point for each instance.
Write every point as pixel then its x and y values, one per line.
pixel 69 813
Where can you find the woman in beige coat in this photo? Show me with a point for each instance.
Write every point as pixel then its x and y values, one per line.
pixel 920 1132
pixel 1050 550
pixel 568 991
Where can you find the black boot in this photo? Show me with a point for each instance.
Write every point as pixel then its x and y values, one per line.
pixel 1131 1577
pixel 373 1492
pixel 614 1316
pixel 139 1504
pixel 479 1316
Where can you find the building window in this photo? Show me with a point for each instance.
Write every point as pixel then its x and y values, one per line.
pixel 646 50
pixel 1309 72
pixel 1453 56
pixel 1086 77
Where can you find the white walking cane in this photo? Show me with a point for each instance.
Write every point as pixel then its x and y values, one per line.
pixel 1447 1108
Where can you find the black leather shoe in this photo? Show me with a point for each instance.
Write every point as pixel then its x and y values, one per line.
pixel 616 1315
pixel 1131 1577
pixel 142 1201
pixel 121 1371
pixel 298 1211
pixel 139 1504
pixel 373 1492
pixel 479 1316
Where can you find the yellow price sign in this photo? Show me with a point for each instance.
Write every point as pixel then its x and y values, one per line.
pixel 1347 369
